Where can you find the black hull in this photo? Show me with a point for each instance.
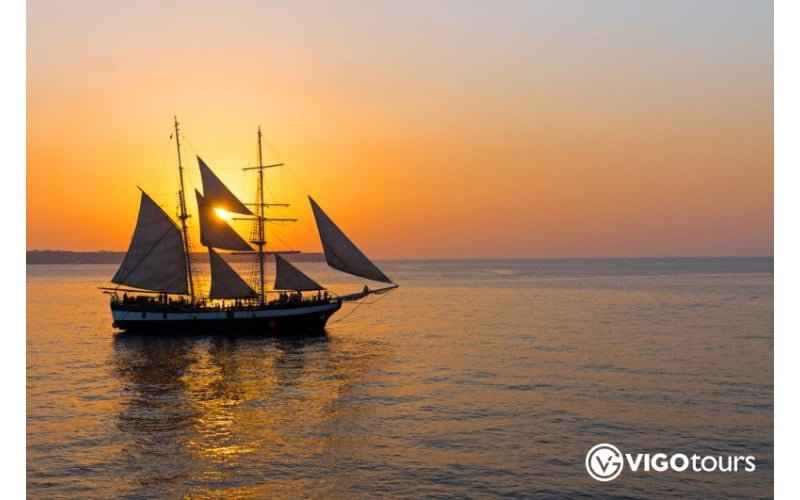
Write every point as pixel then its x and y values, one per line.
pixel 285 321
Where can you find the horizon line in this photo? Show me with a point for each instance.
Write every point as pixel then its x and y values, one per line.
pixel 641 257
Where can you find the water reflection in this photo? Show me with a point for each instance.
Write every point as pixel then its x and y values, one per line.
pixel 200 413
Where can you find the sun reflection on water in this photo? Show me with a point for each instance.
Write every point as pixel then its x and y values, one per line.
pixel 221 403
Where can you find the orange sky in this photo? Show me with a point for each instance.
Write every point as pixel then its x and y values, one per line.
pixel 458 129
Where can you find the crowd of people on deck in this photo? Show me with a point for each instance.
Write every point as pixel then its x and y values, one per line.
pixel 163 299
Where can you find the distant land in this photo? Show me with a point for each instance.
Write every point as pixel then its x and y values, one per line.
pixel 105 257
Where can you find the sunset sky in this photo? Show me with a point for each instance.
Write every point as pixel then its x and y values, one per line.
pixel 446 129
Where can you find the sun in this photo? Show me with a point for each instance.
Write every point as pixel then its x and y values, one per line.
pixel 222 214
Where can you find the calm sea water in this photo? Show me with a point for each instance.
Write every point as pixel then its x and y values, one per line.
pixel 474 379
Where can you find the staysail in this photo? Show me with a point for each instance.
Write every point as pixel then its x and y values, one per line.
pixel 215 232
pixel 156 259
pixel 340 252
pixel 217 194
pixel 225 282
pixel 288 277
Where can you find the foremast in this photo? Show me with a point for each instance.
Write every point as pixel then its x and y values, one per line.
pixel 183 216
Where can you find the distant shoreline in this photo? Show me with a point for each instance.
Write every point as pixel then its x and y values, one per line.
pixel 62 257
pixel 34 257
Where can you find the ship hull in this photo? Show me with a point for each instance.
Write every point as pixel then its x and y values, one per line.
pixel 265 320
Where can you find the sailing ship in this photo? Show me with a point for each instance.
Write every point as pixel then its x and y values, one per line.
pixel 161 270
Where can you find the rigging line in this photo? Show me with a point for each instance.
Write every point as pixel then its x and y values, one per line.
pixel 340 318
pixel 273 153
pixel 298 181
pixel 272 191
pixel 270 187
pixel 275 235
pixel 305 225
pixel 164 157
pixel 187 142
pixel 272 149
pixel 192 173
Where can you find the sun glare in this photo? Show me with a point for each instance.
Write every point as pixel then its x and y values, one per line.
pixel 222 214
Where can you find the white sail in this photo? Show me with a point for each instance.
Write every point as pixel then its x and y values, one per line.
pixel 288 277
pixel 217 194
pixel 156 259
pixel 340 252
pixel 215 232
pixel 225 283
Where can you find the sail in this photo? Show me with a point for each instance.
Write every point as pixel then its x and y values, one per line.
pixel 340 252
pixel 215 232
pixel 217 194
pixel 288 277
pixel 156 259
pixel 225 283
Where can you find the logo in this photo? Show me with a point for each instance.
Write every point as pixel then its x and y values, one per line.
pixel 604 462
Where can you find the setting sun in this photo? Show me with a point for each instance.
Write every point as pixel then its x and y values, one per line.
pixel 222 214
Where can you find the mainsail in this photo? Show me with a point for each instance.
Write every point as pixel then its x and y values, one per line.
pixel 156 259
pixel 225 283
pixel 217 194
pixel 288 277
pixel 215 232
pixel 340 252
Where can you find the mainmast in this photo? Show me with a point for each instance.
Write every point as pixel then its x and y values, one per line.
pixel 260 240
pixel 183 215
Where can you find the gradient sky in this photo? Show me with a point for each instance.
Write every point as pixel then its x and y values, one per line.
pixel 425 129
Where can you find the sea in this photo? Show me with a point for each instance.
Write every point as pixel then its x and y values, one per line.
pixel 474 379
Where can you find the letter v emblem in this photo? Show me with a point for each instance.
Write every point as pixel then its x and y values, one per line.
pixel 605 465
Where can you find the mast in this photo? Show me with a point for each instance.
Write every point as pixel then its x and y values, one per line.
pixel 183 215
pixel 261 240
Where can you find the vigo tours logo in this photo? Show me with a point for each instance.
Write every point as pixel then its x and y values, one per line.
pixel 604 462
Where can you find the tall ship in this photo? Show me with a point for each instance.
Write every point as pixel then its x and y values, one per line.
pixel 156 284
